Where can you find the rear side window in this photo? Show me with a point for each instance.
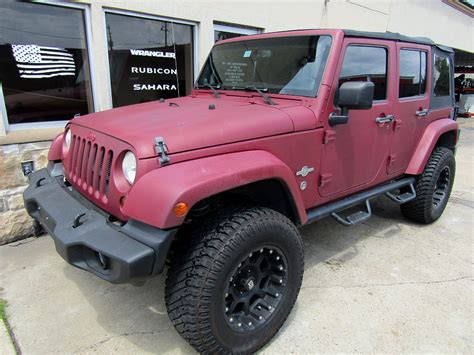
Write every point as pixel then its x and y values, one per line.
pixel 441 76
pixel 412 73
pixel 364 63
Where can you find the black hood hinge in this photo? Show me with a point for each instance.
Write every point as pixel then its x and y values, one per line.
pixel 161 150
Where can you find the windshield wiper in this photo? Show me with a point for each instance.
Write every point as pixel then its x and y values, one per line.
pixel 261 91
pixel 213 89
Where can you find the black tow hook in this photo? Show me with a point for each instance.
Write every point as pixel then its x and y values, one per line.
pixel 77 220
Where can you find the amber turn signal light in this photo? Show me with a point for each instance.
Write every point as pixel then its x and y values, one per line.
pixel 180 209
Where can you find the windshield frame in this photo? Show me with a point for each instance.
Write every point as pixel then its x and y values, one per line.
pixel 258 37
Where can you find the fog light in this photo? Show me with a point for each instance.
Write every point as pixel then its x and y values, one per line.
pixel 180 209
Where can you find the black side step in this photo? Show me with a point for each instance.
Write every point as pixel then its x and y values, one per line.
pixel 332 208
pixel 404 196
pixel 354 218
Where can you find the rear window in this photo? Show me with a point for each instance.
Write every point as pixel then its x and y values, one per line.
pixel 441 76
pixel 412 80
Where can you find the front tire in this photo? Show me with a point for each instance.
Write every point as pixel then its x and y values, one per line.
pixel 233 282
pixel 433 188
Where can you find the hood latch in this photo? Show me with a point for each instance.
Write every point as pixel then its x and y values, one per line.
pixel 161 150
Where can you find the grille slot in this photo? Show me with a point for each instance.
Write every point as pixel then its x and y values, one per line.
pixel 90 166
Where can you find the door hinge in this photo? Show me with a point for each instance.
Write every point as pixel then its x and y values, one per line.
pixel 398 124
pixel 161 150
pixel 392 158
pixel 324 179
pixel 329 136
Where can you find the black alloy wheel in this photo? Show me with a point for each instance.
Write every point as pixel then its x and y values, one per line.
pixel 255 289
pixel 440 194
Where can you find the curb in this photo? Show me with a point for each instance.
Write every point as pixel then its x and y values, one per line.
pixel 6 343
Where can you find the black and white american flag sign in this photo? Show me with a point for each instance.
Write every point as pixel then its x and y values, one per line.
pixel 38 62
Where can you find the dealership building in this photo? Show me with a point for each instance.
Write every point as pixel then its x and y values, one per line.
pixel 60 59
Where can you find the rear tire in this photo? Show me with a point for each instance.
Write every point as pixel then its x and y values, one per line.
pixel 433 188
pixel 233 282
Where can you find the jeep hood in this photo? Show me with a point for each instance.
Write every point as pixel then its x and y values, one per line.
pixel 191 122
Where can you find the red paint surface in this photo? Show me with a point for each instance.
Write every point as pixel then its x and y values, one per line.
pixel 427 143
pixel 191 180
pixel 56 147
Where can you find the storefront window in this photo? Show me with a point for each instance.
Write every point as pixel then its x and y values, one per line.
pixel 222 31
pixel 149 59
pixel 44 67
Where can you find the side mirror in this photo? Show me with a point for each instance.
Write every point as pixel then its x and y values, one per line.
pixel 354 95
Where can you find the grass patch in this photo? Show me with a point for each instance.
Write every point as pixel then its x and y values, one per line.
pixel 3 318
pixel 3 304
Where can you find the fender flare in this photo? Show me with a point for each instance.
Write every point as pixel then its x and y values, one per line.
pixel 56 148
pixel 425 146
pixel 152 198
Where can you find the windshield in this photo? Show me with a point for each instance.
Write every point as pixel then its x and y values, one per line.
pixel 281 65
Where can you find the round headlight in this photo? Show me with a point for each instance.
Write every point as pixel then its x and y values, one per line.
pixel 129 167
pixel 67 139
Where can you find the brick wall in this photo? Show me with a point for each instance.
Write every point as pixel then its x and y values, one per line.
pixel 14 221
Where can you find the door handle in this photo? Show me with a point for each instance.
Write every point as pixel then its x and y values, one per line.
pixel 385 119
pixel 424 112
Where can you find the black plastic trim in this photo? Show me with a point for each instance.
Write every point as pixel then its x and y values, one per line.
pixel 85 236
pixel 326 210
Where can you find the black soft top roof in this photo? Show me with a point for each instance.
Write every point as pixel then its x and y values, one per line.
pixel 395 36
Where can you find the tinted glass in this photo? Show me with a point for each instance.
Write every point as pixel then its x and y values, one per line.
pixel 149 59
pixel 221 35
pixel 441 76
pixel 363 63
pixel 412 73
pixel 287 65
pixel 44 68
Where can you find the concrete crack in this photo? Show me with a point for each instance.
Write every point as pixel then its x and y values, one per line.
pixel 391 284
pixel 103 341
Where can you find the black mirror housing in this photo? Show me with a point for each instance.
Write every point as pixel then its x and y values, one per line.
pixel 356 95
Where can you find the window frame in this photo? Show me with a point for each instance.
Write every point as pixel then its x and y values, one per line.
pixel 387 67
pixel 427 73
pixel 194 25
pixel 448 101
pixel 238 29
pixel 85 8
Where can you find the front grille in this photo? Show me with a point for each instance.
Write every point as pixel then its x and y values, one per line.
pixel 90 166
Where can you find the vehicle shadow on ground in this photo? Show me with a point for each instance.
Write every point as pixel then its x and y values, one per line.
pixel 137 314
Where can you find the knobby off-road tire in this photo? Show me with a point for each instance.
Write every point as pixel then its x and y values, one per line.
pixel 433 188
pixel 251 255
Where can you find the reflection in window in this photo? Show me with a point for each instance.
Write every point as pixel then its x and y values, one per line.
pixel 225 31
pixel 149 59
pixel 363 63
pixel 44 70
pixel 412 73
pixel 283 65
pixel 441 76
pixel 221 35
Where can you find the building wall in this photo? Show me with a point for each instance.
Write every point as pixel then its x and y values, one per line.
pixel 430 18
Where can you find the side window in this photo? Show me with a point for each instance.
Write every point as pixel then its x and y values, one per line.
pixel 441 76
pixel 364 63
pixel 412 73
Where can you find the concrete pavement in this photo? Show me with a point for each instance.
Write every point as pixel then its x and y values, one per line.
pixel 387 285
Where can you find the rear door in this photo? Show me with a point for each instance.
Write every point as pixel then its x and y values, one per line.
pixel 355 153
pixel 411 104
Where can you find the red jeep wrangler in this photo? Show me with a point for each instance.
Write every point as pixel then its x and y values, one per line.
pixel 282 129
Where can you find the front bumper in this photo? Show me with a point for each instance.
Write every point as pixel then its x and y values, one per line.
pixel 85 237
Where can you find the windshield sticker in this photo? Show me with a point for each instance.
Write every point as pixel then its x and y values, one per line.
pixel 234 72
pixel 247 54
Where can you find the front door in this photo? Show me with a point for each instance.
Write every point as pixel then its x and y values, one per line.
pixel 357 152
pixel 412 103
